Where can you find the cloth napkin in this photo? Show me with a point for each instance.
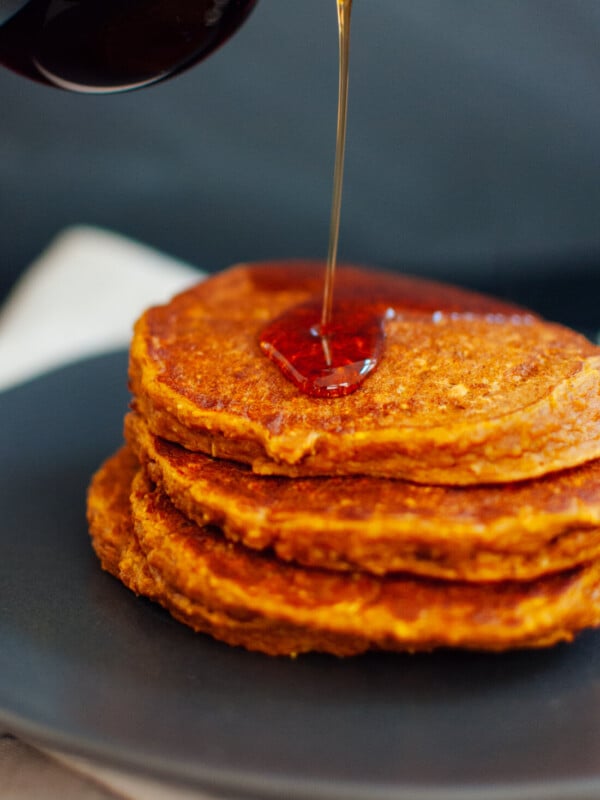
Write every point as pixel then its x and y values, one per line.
pixel 79 298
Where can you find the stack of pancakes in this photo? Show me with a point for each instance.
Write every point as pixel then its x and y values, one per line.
pixel 452 500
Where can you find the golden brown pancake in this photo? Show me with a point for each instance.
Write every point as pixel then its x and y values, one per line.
pixel 255 600
pixel 110 525
pixel 106 500
pixel 468 391
pixel 485 533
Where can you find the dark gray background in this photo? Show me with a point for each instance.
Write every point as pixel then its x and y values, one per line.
pixel 473 148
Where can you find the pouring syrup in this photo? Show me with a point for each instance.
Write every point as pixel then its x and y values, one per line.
pixel 329 349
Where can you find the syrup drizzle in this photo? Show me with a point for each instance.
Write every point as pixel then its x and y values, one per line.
pixel 344 9
pixel 326 361
pixel 329 355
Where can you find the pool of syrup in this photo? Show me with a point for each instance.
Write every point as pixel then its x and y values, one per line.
pixel 333 359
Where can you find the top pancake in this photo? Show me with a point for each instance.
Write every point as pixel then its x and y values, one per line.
pixel 469 389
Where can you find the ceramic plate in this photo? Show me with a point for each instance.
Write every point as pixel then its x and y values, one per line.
pixel 88 668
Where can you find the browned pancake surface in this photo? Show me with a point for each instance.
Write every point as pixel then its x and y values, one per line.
pixel 111 527
pixel 257 601
pixel 518 531
pixel 474 394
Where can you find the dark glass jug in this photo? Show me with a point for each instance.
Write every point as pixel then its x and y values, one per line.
pixel 100 46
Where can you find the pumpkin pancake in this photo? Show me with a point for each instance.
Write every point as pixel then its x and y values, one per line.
pixel 469 390
pixel 484 533
pixel 110 525
pixel 255 600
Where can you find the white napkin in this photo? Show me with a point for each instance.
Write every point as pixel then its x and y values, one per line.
pixel 80 298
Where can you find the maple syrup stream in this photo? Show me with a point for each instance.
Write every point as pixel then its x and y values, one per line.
pixel 344 9
pixel 329 355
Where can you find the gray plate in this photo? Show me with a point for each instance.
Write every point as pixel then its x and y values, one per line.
pixel 86 666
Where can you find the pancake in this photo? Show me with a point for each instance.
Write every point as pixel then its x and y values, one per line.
pixel 518 531
pixel 255 600
pixel 469 390
pixel 110 524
